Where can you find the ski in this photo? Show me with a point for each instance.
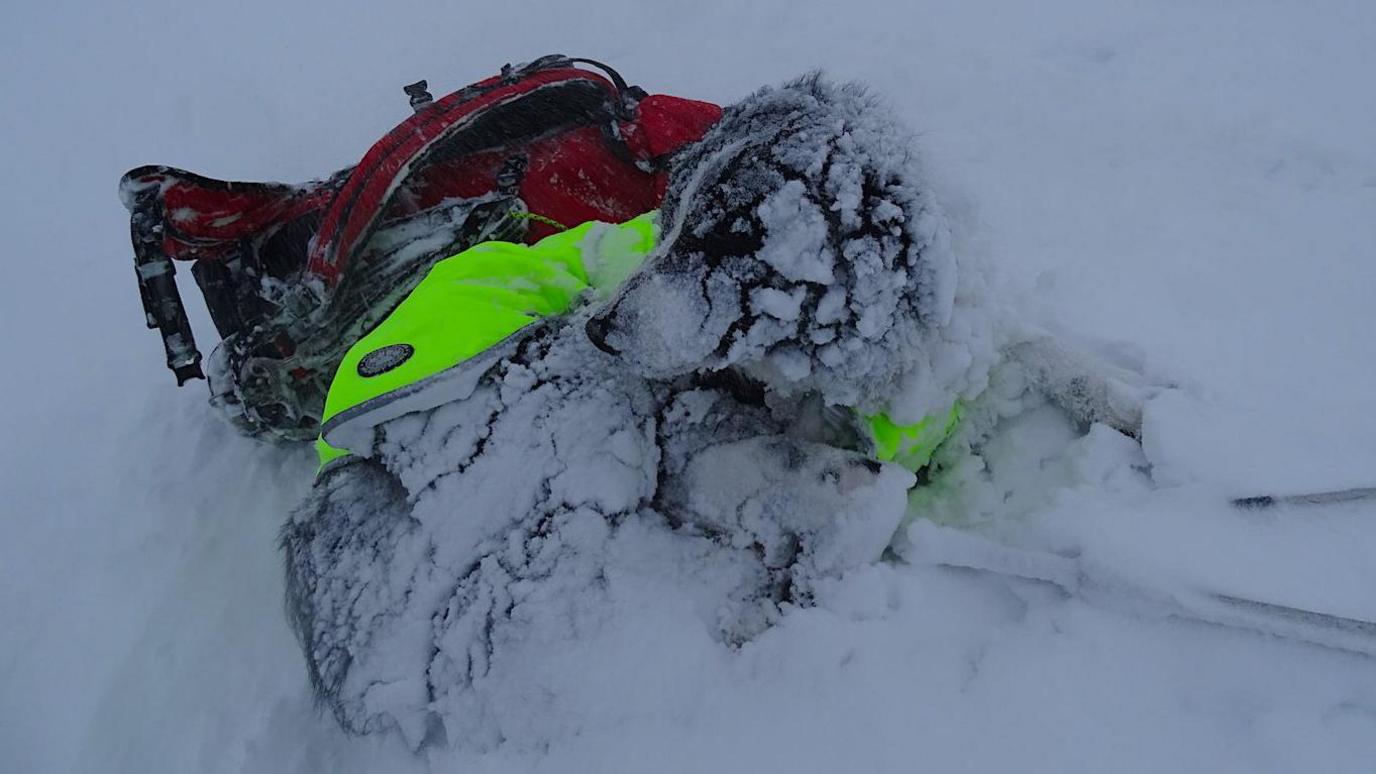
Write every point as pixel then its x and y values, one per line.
pixel 936 545
pixel 1309 498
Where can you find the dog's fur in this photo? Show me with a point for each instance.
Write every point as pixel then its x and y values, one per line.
pixel 804 267
pixel 803 248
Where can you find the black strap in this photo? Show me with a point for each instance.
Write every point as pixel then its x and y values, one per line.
pixel 162 303
pixel 630 96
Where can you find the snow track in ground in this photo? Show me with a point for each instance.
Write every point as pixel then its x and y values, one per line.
pixel 1196 178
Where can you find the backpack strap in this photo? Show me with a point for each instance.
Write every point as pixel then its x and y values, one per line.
pixel 448 127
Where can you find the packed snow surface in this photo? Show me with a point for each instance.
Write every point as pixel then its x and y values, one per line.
pixel 1196 179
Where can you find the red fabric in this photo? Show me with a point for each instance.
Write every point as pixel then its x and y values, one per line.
pixel 575 178
pixel 664 124
pixel 207 218
pixel 572 176
pixel 203 213
pixel 355 210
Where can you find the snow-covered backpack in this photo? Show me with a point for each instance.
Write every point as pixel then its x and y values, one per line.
pixel 293 274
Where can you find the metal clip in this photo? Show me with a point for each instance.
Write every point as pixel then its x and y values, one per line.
pixel 420 98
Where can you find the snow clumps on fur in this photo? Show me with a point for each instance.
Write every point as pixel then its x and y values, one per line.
pixel 803 248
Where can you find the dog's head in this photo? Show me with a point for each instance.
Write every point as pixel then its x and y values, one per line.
pixel 799 246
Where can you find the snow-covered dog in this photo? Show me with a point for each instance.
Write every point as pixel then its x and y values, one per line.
pixel 804 251
pixel 700 426
pixel 492 523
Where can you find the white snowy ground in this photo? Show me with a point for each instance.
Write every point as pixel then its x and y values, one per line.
pixel 1195 177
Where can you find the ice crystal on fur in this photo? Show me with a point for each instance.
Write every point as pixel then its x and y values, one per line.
pixel 804 248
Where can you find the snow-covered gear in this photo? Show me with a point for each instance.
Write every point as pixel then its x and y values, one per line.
pixel 930 543
pixel 292 274
pixel 500 504
pixel 470 302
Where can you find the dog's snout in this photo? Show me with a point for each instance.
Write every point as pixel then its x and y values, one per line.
pixel 598 328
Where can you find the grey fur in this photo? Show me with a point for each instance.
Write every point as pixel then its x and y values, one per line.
pixel 807 199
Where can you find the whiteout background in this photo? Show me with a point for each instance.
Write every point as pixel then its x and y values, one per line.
pixel 1196 177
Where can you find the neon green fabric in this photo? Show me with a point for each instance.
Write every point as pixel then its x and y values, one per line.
pixel 911 446
pixel 326 453
pixel 619 252
pixel 471 301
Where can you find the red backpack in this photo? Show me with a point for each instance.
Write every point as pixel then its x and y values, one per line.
pixel 294 274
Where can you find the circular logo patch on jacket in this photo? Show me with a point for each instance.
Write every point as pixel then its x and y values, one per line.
pixel 380 361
